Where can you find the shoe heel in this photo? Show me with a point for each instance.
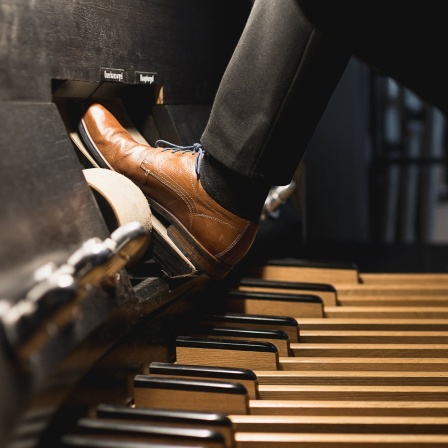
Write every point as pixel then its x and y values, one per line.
pixel 205 262
pixel 167 255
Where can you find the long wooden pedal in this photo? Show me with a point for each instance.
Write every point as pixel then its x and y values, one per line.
pixel 92 441
pixel 403 278
pixel 319 423
pixel 270 440
pixel 284 323
pixel 347 331
pixel 104 429
pixel 355 378
pixel 227 353
pixel 233 424
pixel 275 440
pixel 384 312
pixel 371 324
pixel 372 337
pixel 346 393
pixel 289 406
pixel 297 270
pixel 277 337
pixel 348 295
pixel 265 423
pixel 374 285
pixel 246 377
pixel 274 303
pixel 323 329
pixel 339 273
pixel 351 363
pixel 406 299
pixel 189 394
pixel 326 292
pixel 298 378
pixel 335 424
pixel 349 408
pixel 169 418
pixel 319 407
pixel 334 357
pixel 355 340
pixel 392 289
pixel 294 440
pixel 264 356
pixel 371 350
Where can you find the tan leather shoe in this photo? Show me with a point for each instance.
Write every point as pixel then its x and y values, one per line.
pixel 210 236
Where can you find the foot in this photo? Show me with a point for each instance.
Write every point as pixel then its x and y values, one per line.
pixel 213 238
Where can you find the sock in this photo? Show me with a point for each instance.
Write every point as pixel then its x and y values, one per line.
pixel 238 194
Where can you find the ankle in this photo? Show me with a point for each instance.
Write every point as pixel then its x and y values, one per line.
pixel 238 194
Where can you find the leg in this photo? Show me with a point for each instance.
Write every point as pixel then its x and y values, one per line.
pixel 282 70
pixel 273 93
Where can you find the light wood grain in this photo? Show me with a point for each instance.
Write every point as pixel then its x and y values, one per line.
pixel 294 440
pixel 351 363
pixel 372 324
pixel 227 358
pixel 328 297
pixel 275 307
pixel 384 312
pixel 372 350
pixel 371 337
pixel 397 278
pixel 406 299
pixel 340 424
pixel 346 393
pixel 347 408
pixel 305 274
pixel 355 378
pixel 347 289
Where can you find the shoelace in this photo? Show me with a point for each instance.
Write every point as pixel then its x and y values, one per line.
pixel 195 148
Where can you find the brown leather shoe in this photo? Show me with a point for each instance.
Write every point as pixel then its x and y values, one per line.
pixel 210 236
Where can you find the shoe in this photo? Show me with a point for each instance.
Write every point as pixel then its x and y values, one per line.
pixel 211 237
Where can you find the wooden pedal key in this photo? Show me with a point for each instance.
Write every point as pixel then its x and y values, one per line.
pixel 284 323
pixel 113 430
pixel 190 394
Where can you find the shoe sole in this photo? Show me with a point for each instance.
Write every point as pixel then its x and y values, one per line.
pixel 189 246
pixel 195 253
pixel 91 148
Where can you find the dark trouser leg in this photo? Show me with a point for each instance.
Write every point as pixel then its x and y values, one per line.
pixel 273 93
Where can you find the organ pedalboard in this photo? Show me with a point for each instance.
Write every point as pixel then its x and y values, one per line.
pixel 109 337
pixel 270 362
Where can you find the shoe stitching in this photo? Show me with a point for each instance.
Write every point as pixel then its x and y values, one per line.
pixel 193 208
pixel 196 148
pixel 189 201
pixel 147 172
pixel 165 180
pixel 182 192
pixel 187 197
pixel 208 206
pixel 235 241
pixel 216 219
